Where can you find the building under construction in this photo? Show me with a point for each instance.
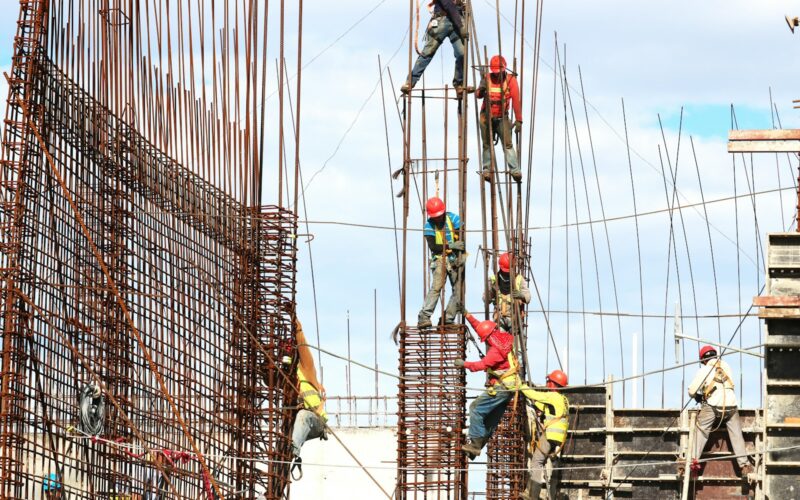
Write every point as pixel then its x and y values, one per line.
pixel 149 220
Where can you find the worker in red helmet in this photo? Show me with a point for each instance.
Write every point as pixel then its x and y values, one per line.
pixel 447 22
pixel 549 419
pixel 447 261
pixel 504 295
pixel 499 91
pixel 500 363
pixel 712 387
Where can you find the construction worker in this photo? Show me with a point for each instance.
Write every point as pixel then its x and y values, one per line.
pixel 712 386
pixel 504 295
pixel 500 89
pixel 551 419
pixel 447 261
pixel 501 365
pixel 447 21
pixel 311 419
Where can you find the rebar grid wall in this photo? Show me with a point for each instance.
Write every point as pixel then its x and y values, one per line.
pixel 123 267
pixel 430 461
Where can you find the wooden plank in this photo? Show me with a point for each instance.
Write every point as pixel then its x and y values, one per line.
pixel 764 135
pixel 788 146
pixel 779 312
pixel 776 301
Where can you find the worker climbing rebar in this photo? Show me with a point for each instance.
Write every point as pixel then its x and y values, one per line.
pixel 311 419
pixel 550 423
pixel 499 87
pixel 447 261
pixel 712 387
pixel 447 22
pixel 506 295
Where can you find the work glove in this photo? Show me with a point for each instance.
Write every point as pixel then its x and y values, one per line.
pixel 517 294
pixel 458 246
pixel 459 363
pixel 517 127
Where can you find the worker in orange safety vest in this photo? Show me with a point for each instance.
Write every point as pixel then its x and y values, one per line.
pixel 499 91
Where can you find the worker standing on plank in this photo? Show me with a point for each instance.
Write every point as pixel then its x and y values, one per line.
pixel 52 488
pixel 500 89
pixel 501 365
pixel 447 21
pixel 505 296
pixel 311 419
pixel 447 261
pixel 551 419
pixel 712 386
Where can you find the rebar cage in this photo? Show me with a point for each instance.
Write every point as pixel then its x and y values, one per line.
pixel 126 273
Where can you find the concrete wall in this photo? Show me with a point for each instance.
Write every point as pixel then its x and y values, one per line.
pixel 372 446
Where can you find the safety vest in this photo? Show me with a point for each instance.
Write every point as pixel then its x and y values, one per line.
pixel 555 428
pixel 440 237
pixel 311 398
pixel 508 377
pixel 504 300
pixel 499 97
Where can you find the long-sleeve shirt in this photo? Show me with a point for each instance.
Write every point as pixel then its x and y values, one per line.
pixel 452 9
pixel 707 377
pixel 496 358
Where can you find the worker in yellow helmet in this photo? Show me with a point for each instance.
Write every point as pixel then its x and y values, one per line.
pixel 552 424
pixel 311 419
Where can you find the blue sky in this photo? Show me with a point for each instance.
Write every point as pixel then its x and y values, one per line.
pixel 658 56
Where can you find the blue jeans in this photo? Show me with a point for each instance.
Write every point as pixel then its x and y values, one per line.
pixel 486 411
pixel 436 35
pixel 307 425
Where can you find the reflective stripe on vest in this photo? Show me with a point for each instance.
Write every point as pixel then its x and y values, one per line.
pixel 498 93
pixel 440 232
pixel 555 427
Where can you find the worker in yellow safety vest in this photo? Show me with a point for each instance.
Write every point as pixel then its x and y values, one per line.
pixel 506 295
pixel 551 419
pixel 311 418
pixel 712 386
pixel 447 261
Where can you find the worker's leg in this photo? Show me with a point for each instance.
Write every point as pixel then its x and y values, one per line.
pixel 482 414
pixel 508 145
pixel 455 272
pixel 436 35
pixel 486 141
pixel 458 53
pixel 705 422
pixel 304 425
pixel 737 438
pixel 437 283
pixel 538 462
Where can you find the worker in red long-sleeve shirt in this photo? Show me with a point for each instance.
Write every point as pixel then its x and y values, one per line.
pixel 487 410
pixel 500 89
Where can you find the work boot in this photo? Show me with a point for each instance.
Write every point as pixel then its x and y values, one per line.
pixel 746 470
pixel 487 175
pixel 474 447
pixel 516 174
pixel 406 88
pixel 424 323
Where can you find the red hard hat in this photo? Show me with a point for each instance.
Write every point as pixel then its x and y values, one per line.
pixel 485 328
pixel 497 64
pixel 504 262
pixel 558 377
pixel 435 207
pixel 705 350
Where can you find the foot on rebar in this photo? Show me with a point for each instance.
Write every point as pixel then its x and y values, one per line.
pixel 424 323
pixel 487 175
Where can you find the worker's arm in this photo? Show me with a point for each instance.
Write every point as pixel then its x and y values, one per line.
pixel 550 398
pixel 480 92
pixel 492 359
pixel 699 381
pixel 490 293
pixel 513 89
pixel 453 12
pixel 435 248
pixel 524 293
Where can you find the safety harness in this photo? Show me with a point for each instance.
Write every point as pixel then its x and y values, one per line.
pixel 504 300
pixel 499 97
